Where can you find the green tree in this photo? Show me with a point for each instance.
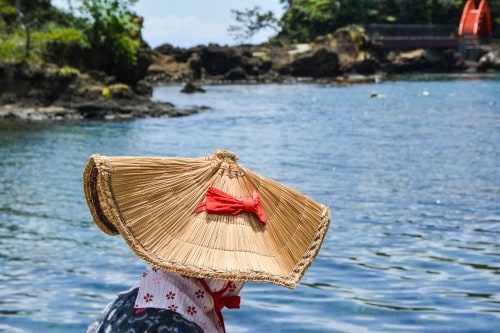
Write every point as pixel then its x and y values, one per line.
pixel 27 26
pixel 303 20
pixel 113 26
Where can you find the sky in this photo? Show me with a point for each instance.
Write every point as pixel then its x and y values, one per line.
pixel 189 23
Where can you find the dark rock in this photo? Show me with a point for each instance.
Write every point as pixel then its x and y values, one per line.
pixel 166 49
pixel 319 64
pixel 97 110
pixel 40 84
pixel 350 41
pixel 366 66
pixel 188 111
pixel 196 65
pixel 219 60
pixel 100 59
pixel 214 62
pixel 44 92
pixel 190 88
pixel 453 61
pixel 143 88
pixel 179 54
pixel 422 60
pixel 489 61
pixel 235 74
pixel 400 62
pixel 100 76
pixel 144 59
pixel 111 110
pixel 255 66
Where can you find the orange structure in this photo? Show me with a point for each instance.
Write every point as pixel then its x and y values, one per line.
pixel 475 21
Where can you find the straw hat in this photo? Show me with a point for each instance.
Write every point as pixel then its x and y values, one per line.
pixel 206 217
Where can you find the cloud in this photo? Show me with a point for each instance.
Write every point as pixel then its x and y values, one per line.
pixel 184 31
pixel 189 23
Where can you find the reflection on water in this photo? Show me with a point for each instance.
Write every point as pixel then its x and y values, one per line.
pixel 412 180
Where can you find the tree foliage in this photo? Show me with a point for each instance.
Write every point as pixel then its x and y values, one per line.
pixel 250 21
pixel 112 26
pixel 98 34
pixel 28 26
pixel 303 20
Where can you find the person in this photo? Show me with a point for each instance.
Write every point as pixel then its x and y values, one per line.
pixel 205 226
pixel 164 301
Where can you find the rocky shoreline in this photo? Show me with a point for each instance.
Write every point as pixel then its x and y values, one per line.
pixel 96 111
pixel 47 92
pixel 50 92
pixel 346 56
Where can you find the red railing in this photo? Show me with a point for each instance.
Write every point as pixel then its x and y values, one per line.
pixel 475 21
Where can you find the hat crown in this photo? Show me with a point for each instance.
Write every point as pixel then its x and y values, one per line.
pixel 229 165
pixel 227 155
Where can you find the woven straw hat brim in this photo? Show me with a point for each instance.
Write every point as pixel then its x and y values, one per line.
pixel 151 202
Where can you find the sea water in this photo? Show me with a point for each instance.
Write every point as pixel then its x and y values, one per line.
pixel 410 170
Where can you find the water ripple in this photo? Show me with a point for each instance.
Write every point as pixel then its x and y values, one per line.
pixel 413 183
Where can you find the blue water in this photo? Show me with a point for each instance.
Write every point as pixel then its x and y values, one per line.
pixel 412 179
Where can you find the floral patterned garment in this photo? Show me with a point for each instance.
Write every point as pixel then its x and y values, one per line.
pixel 120 316
pixel 197 300
pixel 165 298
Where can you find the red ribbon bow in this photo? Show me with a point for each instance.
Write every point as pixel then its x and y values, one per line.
pixel 231 302
pixel 219 202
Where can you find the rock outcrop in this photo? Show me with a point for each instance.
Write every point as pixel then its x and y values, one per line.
pixel 49 92
pixel 490 61
pixel 348 52
pixel 320 63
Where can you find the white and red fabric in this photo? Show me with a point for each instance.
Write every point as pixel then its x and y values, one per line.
pixel 197 300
